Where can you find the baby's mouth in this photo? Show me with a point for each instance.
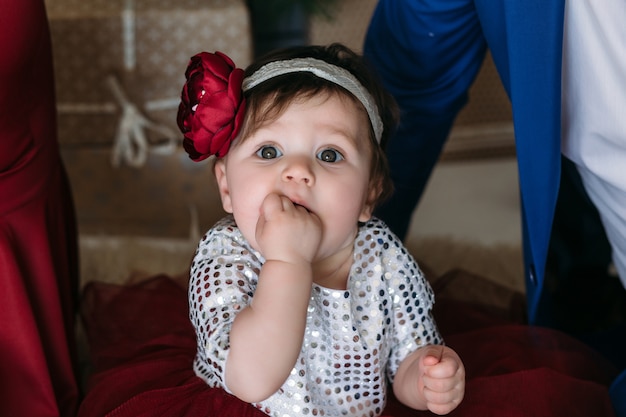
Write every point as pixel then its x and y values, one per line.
pixel 300 205
pixel 297 204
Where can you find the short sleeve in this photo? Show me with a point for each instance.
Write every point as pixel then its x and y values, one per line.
pixel 223 278
pixel 412 300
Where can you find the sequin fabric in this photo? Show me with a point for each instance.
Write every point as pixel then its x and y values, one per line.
pixel 355 339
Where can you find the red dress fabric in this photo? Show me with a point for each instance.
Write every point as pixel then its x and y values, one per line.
pixel 38 241
pixel 143 345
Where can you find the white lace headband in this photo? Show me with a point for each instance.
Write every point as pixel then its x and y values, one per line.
pixel 322 69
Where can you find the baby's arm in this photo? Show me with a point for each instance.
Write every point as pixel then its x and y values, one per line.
pixel 266 337
pixel 433 378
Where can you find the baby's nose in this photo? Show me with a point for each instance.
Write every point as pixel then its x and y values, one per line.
pixel 299 170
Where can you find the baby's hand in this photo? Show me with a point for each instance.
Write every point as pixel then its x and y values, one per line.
pixel 443 379
pixel 287 232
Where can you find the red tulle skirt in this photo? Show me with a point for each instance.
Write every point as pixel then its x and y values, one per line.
pixel 143 345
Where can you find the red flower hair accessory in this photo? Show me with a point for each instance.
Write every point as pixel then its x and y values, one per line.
pixel 212 105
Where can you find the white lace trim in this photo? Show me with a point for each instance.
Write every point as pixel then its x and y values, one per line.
pixel 322 69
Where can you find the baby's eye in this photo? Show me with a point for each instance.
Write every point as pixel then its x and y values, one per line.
pixel 268 152
pixel 330 155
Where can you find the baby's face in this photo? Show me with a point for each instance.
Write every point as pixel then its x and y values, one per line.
pixel 317 154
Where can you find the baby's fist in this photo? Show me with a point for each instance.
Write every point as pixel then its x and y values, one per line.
pixel 443 379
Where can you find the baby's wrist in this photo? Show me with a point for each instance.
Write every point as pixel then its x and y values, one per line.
pixel 289 269
pixel 290 260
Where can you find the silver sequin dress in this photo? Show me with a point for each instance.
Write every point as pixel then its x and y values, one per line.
pixel 354 340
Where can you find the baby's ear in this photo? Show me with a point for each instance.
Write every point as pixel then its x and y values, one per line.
pixel 219 169
pixel 366 213
pixel 369 205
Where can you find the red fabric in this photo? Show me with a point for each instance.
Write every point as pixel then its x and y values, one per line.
pixel 38 242
pixel 143 346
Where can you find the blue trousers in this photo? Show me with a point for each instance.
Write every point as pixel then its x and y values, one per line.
pixel 427 54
